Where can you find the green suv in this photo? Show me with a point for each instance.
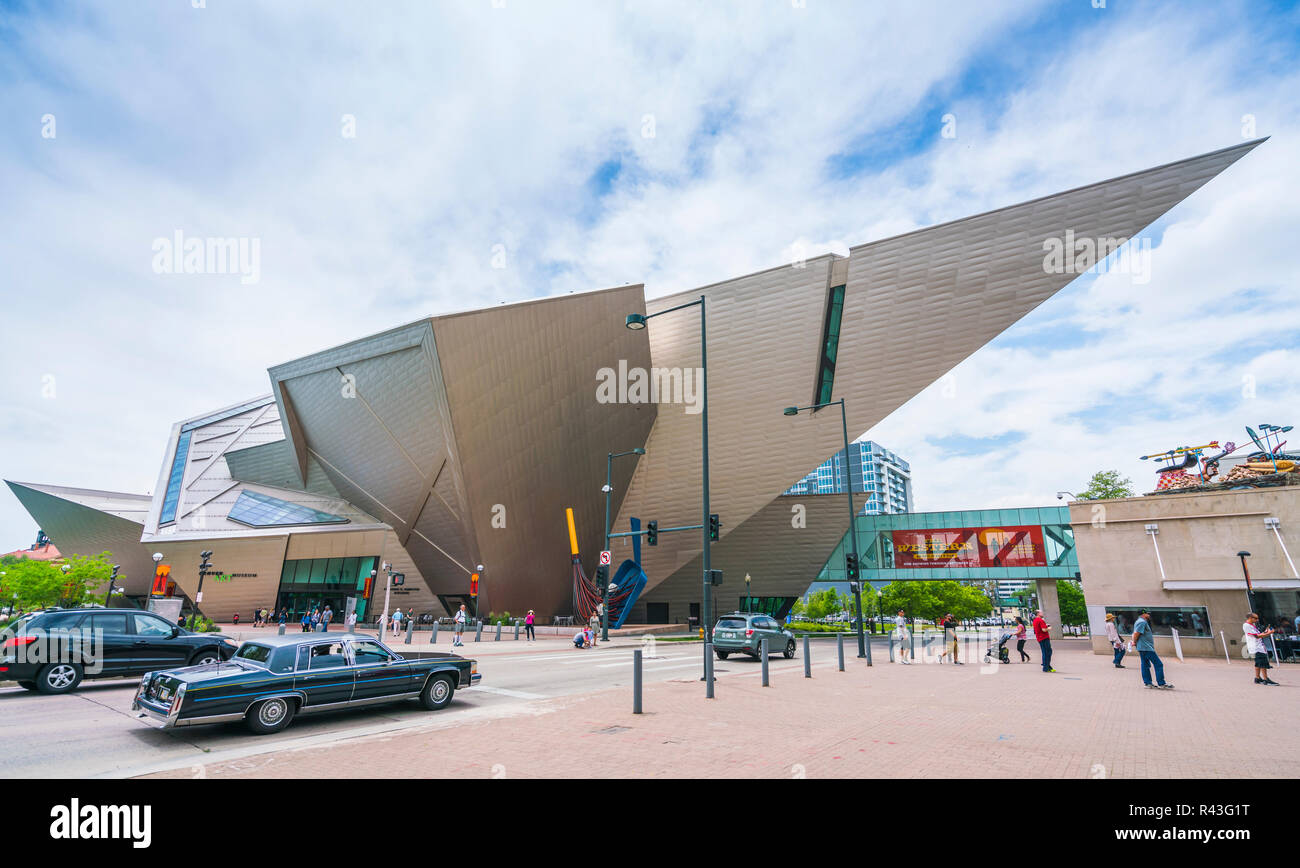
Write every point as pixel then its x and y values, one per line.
pixel 741 632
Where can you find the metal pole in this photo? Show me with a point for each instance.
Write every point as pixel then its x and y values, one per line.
pixel 708 670
pixel 410 628
pixel 891 647
pixel 281 629
pixel 478 631
pixel 604 590
pixel 498 636
pixel 839 646
pixel 516 631
pixel 636 680
pixel 763 650
pixel 1226 655
pixel 853 530
pixel 704 479
pixel 434 639
pixel 807 658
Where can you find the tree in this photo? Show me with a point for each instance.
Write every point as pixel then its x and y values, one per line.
pixel 1073 609
pixel 40 584
pixel 1107 484
pixel 933 600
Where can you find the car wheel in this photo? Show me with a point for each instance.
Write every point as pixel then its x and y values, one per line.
pixel 270 715
pixel 789 650
pixel 205 656
pixel 723 655
pixel 58 677
pixel 27 685
pixel 437 692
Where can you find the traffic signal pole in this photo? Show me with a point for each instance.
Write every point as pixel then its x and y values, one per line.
pixel 853 535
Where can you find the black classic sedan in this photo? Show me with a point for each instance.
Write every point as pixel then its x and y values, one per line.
pixel 54 650
pixel 269 681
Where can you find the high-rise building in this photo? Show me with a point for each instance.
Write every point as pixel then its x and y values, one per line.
pixel 875 471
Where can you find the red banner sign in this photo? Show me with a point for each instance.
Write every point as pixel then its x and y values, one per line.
pixel 970 547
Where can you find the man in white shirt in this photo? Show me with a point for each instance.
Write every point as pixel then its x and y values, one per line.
pixel 900 632
pixel 1255 645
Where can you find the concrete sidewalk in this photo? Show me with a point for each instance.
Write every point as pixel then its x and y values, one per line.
pixel 1090 720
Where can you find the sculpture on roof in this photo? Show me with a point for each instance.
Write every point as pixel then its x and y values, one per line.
pixel 1267 466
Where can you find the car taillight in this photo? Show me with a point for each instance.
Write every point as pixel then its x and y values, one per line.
pixel 17 642
pixel 176 701
pixel 749 633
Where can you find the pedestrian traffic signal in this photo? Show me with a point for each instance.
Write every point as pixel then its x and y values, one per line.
pixel 714 526
pixel 851 567
pixel 715 577
pixel 652 533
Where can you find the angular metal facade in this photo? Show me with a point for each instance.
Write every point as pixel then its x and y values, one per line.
pixel 459 440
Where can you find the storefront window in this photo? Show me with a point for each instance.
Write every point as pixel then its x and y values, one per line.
pixel 1190 621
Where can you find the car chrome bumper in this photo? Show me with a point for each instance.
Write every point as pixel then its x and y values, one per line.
pixel 161 715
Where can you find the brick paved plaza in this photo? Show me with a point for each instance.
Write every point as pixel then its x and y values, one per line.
pixel 1089 720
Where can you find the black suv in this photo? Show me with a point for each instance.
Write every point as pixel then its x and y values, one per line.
pixel 53 650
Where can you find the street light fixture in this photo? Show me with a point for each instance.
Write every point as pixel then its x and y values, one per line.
pixel 1245 571
pixel 1060 495
pixel 637 322
pixel 749 601
pixel 854 580
pixel 609 487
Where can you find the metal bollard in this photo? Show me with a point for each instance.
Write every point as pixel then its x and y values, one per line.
pixel 807 658
pixel 498 636
pixel 516 631
pixel 478 632
pixel 891 649
pixel 868 644
pixel 839 642
pixel 911 645
pixel 763 648
pixel 434 639
pixel 708 670
pixel 410 627
pixel 281 629
pixel 636 681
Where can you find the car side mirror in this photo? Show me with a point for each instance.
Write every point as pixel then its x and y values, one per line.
pixel 176 631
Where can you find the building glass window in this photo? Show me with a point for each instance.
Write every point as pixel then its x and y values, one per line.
pixel 172 498
pixel 830 345
pixel 1191 621
pixel 261 510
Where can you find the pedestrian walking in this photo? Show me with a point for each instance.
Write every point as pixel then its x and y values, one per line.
pixel 397 621
pixel 1022 635
pixel 284 615
pixel 236 619
pixel 949 639
pixel 528 626
pixel 1112 633
pixel 1255 645
pixel 1043 633
pixel 350 621
pixel 460 625
pixel 593 623
pixel 901 634
pixel 1145 642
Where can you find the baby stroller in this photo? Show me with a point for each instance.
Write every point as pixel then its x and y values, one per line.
pixel 998 648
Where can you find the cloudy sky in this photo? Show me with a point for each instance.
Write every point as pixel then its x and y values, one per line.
pixel 398 160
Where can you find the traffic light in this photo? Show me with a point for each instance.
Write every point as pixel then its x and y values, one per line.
pixel 714 526
pixel 652 533
pixel 602 576
pixel 851 567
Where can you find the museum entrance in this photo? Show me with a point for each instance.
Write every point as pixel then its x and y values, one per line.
pixel 313 583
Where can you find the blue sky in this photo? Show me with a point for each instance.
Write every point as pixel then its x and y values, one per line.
pixel 534 149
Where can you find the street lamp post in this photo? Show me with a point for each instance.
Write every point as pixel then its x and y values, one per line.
pixel 608 489
pixel 749 601
pixel 855 582
pixel 1245 571
pixel 636 322
pixel 880 609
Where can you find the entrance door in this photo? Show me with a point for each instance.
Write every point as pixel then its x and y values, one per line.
pixel 656 613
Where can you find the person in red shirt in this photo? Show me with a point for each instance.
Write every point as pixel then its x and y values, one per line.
pixel 1043 633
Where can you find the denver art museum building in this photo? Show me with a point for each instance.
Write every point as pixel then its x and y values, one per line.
pixel 460 440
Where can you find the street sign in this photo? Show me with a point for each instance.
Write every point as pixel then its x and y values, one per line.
pixel 198 598
pixel 604 559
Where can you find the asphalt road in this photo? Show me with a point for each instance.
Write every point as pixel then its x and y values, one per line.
pixel 93 732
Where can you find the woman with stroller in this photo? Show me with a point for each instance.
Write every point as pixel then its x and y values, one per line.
pixel 1022 633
